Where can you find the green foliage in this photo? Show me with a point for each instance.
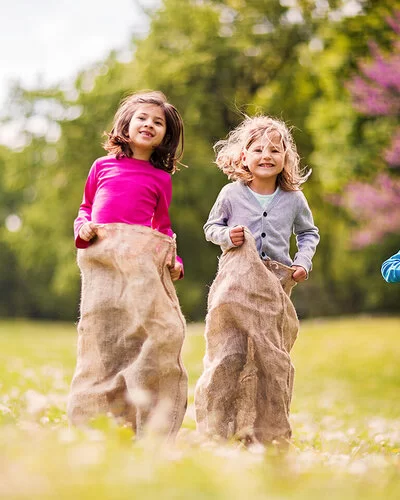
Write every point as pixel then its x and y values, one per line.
pixel 347 146
pixel 215 60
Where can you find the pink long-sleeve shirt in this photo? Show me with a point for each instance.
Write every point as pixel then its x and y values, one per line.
pixel 125 190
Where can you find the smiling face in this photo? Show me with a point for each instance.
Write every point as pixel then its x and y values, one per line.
pixel 265 159
pixel 146 130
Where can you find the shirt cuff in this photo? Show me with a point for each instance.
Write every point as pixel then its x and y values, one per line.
pixel 302 261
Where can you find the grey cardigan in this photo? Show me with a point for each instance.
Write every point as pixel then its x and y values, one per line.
pixel 287 213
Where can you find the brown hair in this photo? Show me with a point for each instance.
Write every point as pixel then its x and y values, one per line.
pixel 169 152
pixel 229 151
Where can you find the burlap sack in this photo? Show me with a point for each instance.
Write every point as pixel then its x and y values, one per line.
pixel 251 325
pixel 131 332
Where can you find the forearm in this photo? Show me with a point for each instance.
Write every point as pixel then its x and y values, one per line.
pixel 216 229
pixel 85 209
pixel 83 217
pixel 218 234
pixel 307 242
pixel 307 236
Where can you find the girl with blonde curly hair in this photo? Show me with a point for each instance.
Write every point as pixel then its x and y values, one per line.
pixel 246 386
pixel 261 157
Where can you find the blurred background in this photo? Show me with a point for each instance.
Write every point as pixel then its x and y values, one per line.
pixel 329 68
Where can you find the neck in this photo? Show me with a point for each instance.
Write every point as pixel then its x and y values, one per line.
pixel 141 156
pixel 141 153
pixel 265 186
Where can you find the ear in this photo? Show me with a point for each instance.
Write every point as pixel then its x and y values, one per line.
pixel 243 158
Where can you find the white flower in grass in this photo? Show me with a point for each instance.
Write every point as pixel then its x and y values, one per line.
pixel 393 438
pixel 4 410
pixel 375 461
pixel 57 376
pixel 172 454
pixel 227 451
pixel 29 374
pixel 305 461
pixel 301 417
pixel 35 402
pixel 331 422
pixel 338 460
pixel 5 399
pixel 380 438
pixel 28 426
pixel 57 400
pixel 67 435
pixel 334 436
pixel 378 425
pixel 15 392
pixel 95 435
pixel 305 428
pixel 86 454
pixel 358 468
pixel 326 401
pixel 256 449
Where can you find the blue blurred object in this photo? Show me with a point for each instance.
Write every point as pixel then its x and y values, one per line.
pixel 391 269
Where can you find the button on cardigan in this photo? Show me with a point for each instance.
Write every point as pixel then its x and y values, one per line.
pixel 287 214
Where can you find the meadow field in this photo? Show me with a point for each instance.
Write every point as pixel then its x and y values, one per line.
pixel 345 417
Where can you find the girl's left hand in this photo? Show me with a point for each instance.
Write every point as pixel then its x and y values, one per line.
pixel 300 274
pixel 176 271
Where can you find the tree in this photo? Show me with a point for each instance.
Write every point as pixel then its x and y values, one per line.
pixel 214 60
pixel 376 93
pixel 347 152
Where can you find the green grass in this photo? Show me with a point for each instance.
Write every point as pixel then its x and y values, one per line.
pixel 345 416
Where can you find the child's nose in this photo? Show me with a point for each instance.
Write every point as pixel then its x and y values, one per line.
pixel 266 153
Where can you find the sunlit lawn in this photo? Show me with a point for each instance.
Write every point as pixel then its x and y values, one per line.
pixel 345 416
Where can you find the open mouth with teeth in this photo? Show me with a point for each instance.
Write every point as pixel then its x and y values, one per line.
pixel 146 133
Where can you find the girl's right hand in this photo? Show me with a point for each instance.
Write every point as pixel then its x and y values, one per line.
pixel 237 235
pixel 176 271
pixel 87 231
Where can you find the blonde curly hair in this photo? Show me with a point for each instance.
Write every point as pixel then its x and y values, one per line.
pixel 229 151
